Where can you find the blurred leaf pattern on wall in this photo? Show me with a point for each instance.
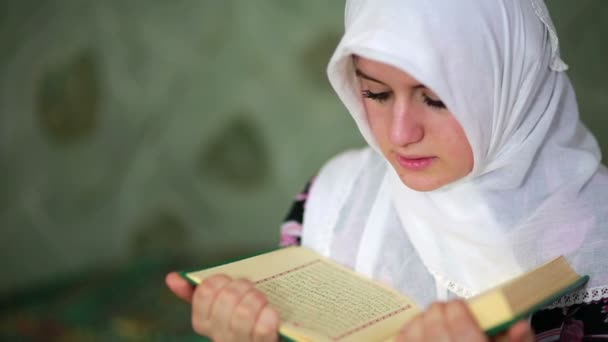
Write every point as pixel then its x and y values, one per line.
pixel 183 127
pixel 68 97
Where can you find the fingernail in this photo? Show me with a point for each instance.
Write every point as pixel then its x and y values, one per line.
pixel 267 318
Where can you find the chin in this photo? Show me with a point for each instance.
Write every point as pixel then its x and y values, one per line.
pixel 421 184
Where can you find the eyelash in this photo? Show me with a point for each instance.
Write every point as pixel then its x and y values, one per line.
pixel 381 97
pixel 433 103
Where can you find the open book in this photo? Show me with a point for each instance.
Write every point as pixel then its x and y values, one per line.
pixel 320 300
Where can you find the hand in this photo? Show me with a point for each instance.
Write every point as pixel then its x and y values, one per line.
pixel 452 321
pixel 179 286
pixel 227 309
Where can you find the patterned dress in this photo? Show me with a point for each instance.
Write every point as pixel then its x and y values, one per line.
pixel 577 322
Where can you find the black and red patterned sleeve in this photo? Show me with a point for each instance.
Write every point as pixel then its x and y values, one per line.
pixel 291 229
pixel 579 322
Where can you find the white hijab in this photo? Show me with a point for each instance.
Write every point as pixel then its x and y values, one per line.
pixel 537 189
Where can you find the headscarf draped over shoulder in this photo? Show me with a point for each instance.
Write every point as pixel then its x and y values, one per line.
pixel 537 189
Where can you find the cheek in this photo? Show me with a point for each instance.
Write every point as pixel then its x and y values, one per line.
pixel 456 145
pixel 461 149
pixel 376 123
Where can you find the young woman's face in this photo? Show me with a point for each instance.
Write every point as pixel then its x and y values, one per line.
pixel 419 136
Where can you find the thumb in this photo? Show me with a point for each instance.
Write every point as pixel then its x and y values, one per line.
pixel 179 286
pixel 521 332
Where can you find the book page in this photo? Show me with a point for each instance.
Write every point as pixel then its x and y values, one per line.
pixel 331 301
pixel 496 309
pixel 314 294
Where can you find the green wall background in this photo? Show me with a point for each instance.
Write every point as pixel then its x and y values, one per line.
pixel 131 129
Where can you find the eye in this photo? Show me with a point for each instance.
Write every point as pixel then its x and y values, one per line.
pixel 433 103
pixel 380 97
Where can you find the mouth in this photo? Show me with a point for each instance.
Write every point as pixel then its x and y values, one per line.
pixel 414 162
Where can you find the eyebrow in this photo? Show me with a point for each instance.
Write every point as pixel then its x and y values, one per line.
pixel 361 74
pixel 367 77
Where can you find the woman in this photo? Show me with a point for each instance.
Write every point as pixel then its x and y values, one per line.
pixel 478 170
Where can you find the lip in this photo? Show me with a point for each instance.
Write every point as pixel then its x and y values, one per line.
pixel 414 162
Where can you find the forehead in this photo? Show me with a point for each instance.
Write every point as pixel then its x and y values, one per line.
pixel 383 73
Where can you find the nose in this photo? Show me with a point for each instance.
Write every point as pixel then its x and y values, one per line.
pixel 406 127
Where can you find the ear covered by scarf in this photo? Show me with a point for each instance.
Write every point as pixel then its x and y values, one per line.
pixel 537 189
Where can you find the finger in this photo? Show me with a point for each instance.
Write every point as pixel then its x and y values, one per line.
pixel 521 332
pixel 461 323
pixel 179 286
pixel 267 325
pixel 435 325
pixel 412 330
pixel 202 301
pixel 226 301
pixel 246 314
